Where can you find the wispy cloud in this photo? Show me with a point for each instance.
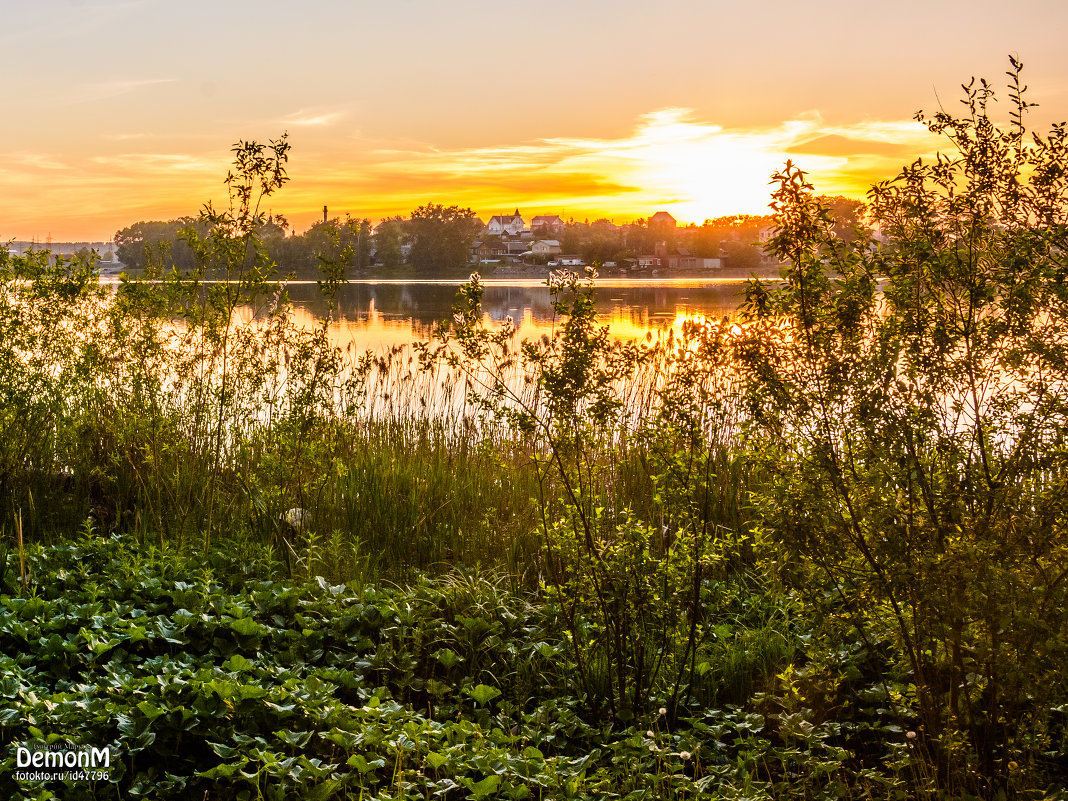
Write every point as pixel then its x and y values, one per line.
pixel 155 162
pixel 312 117
pixel 34 161
pixel 669 160
pixel 124 137
pixel 106 90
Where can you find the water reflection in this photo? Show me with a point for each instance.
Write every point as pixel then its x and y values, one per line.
pixel 382 314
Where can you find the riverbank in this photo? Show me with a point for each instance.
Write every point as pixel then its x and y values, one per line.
pixel 554 539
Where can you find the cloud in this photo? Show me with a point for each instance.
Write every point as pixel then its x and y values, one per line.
pixel 155 162
pixel 670 160
pixel 106 90
pixel 312 118
pixel 34 161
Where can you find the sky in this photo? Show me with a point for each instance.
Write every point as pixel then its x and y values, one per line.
pixel 126 110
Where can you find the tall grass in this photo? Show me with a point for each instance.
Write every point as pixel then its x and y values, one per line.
pixel 391 459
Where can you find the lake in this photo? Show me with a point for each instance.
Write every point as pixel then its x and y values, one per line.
pixel 377 314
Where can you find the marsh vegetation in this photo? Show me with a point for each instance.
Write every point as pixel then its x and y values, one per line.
pixel 817 550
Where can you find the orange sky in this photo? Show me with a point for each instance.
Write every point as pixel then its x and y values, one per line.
pixel 122 110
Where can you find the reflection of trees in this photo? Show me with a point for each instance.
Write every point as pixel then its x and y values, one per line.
pixel 426 304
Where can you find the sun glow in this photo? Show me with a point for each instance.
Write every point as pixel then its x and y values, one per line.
pixel 670 160
pixel 697 169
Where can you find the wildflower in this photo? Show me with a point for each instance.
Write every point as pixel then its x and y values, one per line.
pixel 685 756
pixel 663 712
pixel 910 735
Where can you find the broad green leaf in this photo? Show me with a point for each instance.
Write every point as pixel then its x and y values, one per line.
pixel 483 693
pixel 149 711
pixel 484 788
pixel 238 664
pixel 436 760
pixel 246 626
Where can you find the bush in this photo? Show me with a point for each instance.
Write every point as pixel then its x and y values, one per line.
pixel 916 436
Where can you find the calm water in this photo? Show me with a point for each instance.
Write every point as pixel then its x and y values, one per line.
pixel 377 314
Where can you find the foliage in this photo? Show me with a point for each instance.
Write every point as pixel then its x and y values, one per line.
pixel 347 244
pixel 817 553
pixel 388 237
pixel 204 676
pixel 630 587
pixel 139 244
pixel 442 237
pixel 50 355
pixel 914 437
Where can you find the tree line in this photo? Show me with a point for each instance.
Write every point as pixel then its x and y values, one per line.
pixel 438 240
pixel 433 239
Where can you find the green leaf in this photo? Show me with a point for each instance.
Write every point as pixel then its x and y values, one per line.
pixel 225 751
pixel 246 691
pixel 483 693
pixel 361 763
pixel 238 664
pixel 149 711
pixel 447 657
pixel 224 771
pixel 487 787
pixel 246 627
pixel 436 760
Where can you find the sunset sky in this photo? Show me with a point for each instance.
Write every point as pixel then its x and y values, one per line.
pixel 125 110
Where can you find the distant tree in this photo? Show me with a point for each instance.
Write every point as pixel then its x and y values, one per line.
pixel 740 255
pixel 273 238
pixel 344 244
pixel 848 215
pixel 442 237
pixel 158 240
pixel 637 237
pixel 573 237
pixel 388 237
pixel 706 241
pixel 601 244
pixel 360 236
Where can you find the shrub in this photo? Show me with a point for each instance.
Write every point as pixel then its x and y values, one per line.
pixel 909 400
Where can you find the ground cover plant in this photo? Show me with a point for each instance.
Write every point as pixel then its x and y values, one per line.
pixel 816 551
pixel 213 677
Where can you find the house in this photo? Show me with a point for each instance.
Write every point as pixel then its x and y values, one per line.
pixel 764 235
pixel 547 224
pixel 546 247
pixel 500 224
pixel 487 250
pixel 662 221
pixel 698 263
